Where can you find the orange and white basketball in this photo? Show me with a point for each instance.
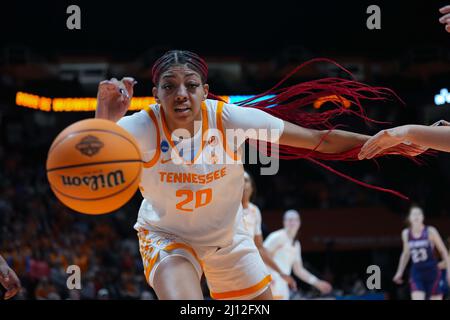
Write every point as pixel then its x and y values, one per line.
pixel 94 166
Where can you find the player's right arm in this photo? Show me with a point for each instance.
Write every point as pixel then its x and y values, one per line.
pixel 114 98
pixel 404 258
pixel 113 102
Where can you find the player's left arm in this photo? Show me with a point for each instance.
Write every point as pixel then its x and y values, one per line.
pixel 258 239
pixel 325 141
pixel 306 276
pixel 440 246
pixel 266 127
pixel 267 258
pixel 442 264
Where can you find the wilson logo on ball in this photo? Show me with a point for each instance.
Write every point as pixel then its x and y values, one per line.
pixel 94 166
pixel 89 145
pixel 109 180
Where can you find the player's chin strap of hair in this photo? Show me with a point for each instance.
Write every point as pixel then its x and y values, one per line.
pixel 287 103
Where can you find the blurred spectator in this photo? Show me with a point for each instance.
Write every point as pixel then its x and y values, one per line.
pixel 45 290
pixel 103 294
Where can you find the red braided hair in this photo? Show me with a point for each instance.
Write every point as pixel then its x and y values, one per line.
pixel 287 104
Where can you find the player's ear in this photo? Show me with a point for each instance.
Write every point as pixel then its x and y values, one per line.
pixel 206 90
pixel 155 94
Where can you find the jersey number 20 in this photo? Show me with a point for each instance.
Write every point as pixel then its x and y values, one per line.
pixel 202 198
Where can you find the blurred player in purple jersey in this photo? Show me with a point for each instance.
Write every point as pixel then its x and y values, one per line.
pixel 419 242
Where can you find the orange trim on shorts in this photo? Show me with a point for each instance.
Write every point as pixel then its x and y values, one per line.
pixel 242 292
pixel 150 266
pixel 169 135
pixel 232 155
pixel 278 297
pixel 155 158
pixel 178 245
pixel 146 249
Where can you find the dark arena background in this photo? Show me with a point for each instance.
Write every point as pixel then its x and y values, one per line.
pixel 345 227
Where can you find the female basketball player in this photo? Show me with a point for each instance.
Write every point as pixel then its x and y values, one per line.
pixel 419 242
pixel 286 252
pixel 435 137
pixel 8 279
pixel 190 219
pixel 252 221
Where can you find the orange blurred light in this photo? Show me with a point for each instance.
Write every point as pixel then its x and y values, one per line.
pixel 77 104
pixel 333 98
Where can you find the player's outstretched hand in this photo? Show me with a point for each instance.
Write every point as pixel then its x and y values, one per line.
pixel 324 286
pixel 9 280
pixel 445 19
pixel 393 141
pixel 383 140
pixel 114 98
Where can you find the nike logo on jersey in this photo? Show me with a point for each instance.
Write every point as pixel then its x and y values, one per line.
pixel 163 161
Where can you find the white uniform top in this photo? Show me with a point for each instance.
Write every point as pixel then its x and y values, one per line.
pixel 192 188
pixel 283 251
pixel 252 219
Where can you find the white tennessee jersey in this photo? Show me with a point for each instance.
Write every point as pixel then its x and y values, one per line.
pixel 252 219
pixel 284 252
pixel 192 187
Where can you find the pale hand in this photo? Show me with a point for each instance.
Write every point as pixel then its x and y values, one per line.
pixel 9 280
pixel 386 140
pixel 398 278
pixel 323 286
pixel 445 19
pixel 383 140
pixel 114 98
pixel 290 281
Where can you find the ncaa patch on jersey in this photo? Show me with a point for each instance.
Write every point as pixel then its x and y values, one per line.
pixel 164 146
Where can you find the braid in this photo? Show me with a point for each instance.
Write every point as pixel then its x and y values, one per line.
pixel 287 104
pixel 179 57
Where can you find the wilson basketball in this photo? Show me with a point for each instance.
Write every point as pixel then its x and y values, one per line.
pixel 94 166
